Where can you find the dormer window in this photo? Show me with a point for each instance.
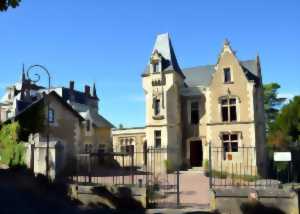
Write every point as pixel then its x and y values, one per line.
pixel 227 75
pixel 155 67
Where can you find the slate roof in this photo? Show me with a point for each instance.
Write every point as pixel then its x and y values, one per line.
pixel 202 75
pixel 79 97
pixel 98 120
pixel 54 94
pixel 164 47
pixel 199 76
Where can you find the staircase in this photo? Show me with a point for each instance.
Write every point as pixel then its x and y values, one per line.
pixel 198 169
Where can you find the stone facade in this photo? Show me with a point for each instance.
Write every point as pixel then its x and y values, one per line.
pixel 188 109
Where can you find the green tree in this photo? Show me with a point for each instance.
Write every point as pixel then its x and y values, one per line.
pixel 5 4
pixel 272 102
pixel 287 122
pixel 11 151
pixel 284 135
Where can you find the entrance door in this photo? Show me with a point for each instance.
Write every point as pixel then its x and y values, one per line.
pixel 196 154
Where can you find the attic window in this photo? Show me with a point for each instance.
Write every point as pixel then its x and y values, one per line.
pixel 155 67
pixel 227 75
pixel 51 115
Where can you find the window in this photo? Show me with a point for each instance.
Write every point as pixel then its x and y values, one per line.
pixel 155 67
pixel 228 109
pixel 51 115
pixel 88 125
pixel 157 138
pixel 88 148
pixel 227 75
pixel 194 113
pixel 230 142
pixel 7 114
pixel 127 149
pixel 156 106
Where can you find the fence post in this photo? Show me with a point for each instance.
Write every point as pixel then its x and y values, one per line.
pixel 209 165
pixel 89 168
pixel 132 165
pixel 177 190
pixel 123 172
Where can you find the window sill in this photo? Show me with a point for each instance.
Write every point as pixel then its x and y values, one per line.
pixel 231 82
pixel 158 117
pixel 229 122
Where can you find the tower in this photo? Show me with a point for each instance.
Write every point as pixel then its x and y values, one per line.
pixel 162 81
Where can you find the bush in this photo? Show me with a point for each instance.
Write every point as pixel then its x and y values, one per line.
pixel 11 151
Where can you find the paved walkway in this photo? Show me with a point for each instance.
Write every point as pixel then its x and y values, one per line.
pixel 194 189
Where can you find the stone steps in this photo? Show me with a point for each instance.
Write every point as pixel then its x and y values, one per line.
pixel 199 169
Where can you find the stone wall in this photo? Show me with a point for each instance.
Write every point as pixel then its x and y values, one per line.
pixel 35 157
pixel 232 200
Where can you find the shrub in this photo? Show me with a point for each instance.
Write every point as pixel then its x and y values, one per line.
pixel 11 151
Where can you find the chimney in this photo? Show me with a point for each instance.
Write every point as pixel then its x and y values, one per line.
pixel 87 90
pixel 72 84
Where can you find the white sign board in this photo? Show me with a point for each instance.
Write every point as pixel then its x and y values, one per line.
pixel 282 156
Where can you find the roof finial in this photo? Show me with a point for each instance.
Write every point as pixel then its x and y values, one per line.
pixel 23 73
pixel 226 42
pixel 94 90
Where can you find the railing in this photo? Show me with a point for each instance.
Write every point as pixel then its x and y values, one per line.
pixel 144 169
pixel 239 168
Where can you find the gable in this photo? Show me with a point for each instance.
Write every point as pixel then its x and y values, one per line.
pixel 202 75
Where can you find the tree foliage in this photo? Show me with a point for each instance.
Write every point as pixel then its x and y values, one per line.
pixel 30 125
pixel 284 135
pixel 272 102
pixel 11 151
pixel 286 126
pixel 5 4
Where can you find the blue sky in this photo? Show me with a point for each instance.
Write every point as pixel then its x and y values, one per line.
pixel 109 42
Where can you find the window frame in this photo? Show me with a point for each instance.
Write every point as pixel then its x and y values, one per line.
pixel 226 107
pixel 194 110
pixel 155 67
pixel 229 142
pixel 229 70
pixel 157 108
pixel 51 116
pixel 88 125
pixel 157 139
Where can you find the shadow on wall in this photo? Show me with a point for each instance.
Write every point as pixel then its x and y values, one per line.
pixel 22 191
pixel 123 201
pixel 256 208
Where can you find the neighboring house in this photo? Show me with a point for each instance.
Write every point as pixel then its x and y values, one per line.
pixel 73 117
pixel 186 109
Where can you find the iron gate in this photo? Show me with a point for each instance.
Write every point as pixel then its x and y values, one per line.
pixel 150 169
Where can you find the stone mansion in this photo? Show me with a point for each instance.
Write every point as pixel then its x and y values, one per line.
pixel 188 109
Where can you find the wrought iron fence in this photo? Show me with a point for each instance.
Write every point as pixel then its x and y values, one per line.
pixel 148 169
pixel 237 168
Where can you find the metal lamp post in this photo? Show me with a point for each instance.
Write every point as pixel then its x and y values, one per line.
pixel 48 104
